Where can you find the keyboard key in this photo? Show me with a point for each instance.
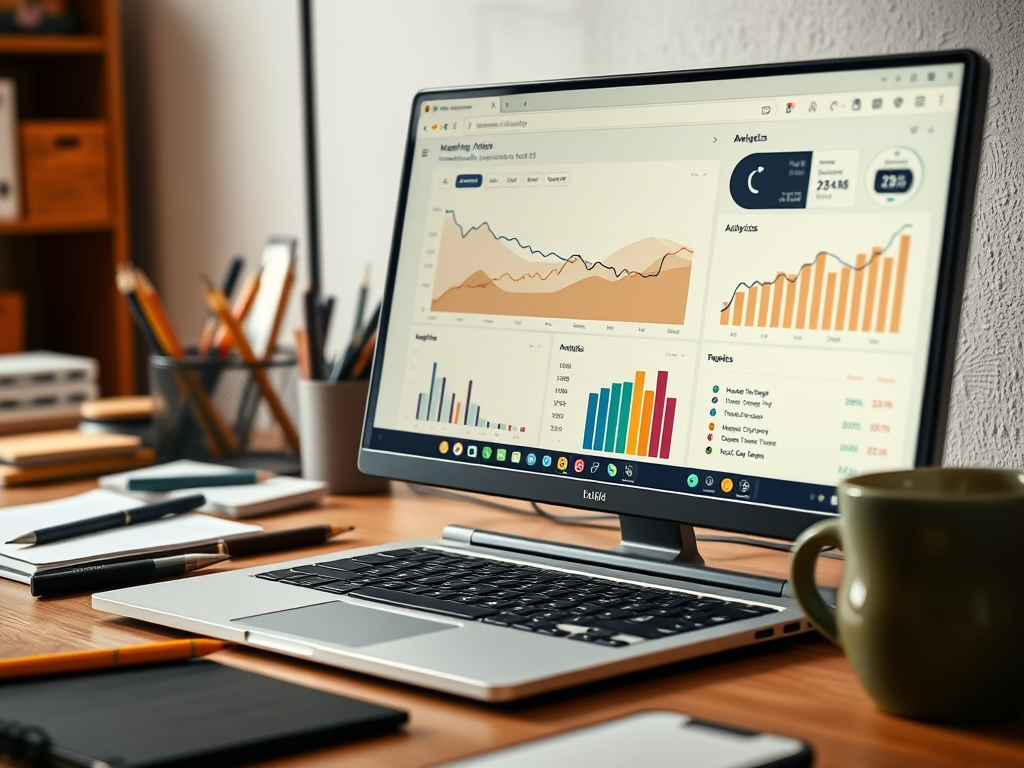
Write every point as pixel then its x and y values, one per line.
pixel 431 580
pixel 302 580
pixel 614 613
pixel 400 552
pixel 504 619
pixel 337 587
pixel 345 565
pixel 377 559
pixel 319 570
pixel 423 603
pixel 480 589
pixel 284 573
pixel 550 629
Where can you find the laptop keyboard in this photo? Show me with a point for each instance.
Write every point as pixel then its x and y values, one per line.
pixel 527 598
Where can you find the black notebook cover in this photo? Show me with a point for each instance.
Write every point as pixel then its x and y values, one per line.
pixel 193 713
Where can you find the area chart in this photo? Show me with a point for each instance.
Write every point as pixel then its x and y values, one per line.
pixel 483 272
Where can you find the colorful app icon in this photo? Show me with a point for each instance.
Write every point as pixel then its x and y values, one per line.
pixel 726 484
pixel 501 454
pixel 443 447
pixel 531 459
pixel 563 463
pixel 516 456
pixel 486 452
pixel 457 449
pixel 612 470
pixel 471 451
pixel 708 450
pixel 579 465
pixel 692 481
pixel 546 461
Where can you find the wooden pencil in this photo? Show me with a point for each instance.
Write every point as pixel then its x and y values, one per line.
pixel 217 302
pixel 244 302
pixel 220 437
pixel 128 655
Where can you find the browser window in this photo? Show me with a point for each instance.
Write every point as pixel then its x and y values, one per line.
pixel 717 288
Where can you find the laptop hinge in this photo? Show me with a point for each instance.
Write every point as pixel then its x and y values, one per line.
pixel 652 547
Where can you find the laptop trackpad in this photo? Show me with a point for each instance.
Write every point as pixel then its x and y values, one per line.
pixel 343 624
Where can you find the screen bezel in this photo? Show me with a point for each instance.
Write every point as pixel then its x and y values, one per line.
pixel 723 514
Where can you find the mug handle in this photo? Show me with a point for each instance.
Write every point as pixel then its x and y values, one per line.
pixel 805 553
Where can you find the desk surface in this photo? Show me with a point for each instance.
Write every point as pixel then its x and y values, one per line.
pixel 801 687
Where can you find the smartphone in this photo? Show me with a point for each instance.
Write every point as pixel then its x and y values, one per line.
pixel 655 739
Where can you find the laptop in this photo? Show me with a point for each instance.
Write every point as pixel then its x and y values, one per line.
pixel 684 298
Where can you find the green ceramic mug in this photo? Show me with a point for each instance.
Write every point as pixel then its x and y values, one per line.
pixel 930 610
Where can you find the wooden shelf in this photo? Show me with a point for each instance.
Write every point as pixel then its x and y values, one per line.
pixel 30 226
pixel 55 45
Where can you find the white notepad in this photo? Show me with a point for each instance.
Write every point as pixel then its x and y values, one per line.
pixel 274 495
pixel 20 561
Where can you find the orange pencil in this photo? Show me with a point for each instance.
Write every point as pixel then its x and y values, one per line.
pixel 221 439
pixel 302 353
pixel 365 354
pixel 222 340
pixel 129 655
pixel 218 303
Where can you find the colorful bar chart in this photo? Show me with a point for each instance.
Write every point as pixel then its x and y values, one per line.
pixel 828 295
pixel 628 419
pixel 441 404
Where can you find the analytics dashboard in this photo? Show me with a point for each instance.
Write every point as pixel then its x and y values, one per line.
pixel 722 288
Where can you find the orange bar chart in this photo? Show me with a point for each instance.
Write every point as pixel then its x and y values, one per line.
pixel 827 294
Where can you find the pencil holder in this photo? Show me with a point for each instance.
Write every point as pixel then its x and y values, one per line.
pixel 331 424
pixel 227 411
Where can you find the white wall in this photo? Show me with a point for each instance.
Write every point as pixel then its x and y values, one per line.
pixel 214 100
pixel 216 160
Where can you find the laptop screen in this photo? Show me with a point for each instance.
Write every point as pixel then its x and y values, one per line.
pixel 722 289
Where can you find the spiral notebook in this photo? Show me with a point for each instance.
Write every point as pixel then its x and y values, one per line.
pixel 193 713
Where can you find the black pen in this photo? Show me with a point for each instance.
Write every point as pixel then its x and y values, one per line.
pixel 125 517
pixel 93 578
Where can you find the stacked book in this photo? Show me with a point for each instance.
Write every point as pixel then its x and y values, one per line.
pixel 63 454
pixel 44 390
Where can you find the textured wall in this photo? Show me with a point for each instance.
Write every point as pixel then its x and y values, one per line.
pixel 986 424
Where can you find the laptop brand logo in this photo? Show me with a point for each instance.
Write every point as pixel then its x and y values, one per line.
pixel 595 495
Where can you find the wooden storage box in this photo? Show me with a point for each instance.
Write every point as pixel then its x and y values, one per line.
pixel 64 164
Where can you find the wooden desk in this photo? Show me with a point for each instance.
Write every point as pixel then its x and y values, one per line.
pixel 801 687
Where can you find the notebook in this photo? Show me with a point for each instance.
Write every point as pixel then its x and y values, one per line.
pixel 19 561
pixel 192 713
pixel 52 447
pixel 274 495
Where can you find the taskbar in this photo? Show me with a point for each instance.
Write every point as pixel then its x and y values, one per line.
pixel 617 470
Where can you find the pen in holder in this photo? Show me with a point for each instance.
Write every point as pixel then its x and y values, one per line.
pixel 330 426
pixel 224 410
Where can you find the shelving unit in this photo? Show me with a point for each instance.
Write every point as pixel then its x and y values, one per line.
pixel 66 265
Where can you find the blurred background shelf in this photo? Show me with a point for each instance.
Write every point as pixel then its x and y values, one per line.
pixel 62 262
pixel 51 45
pixel 44 226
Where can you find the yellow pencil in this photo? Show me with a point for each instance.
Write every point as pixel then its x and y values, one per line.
pixel 246 297
pixel 129 655
pixel 218 303
pixel 221 439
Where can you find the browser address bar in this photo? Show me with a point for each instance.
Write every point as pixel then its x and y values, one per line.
pixel 624 117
